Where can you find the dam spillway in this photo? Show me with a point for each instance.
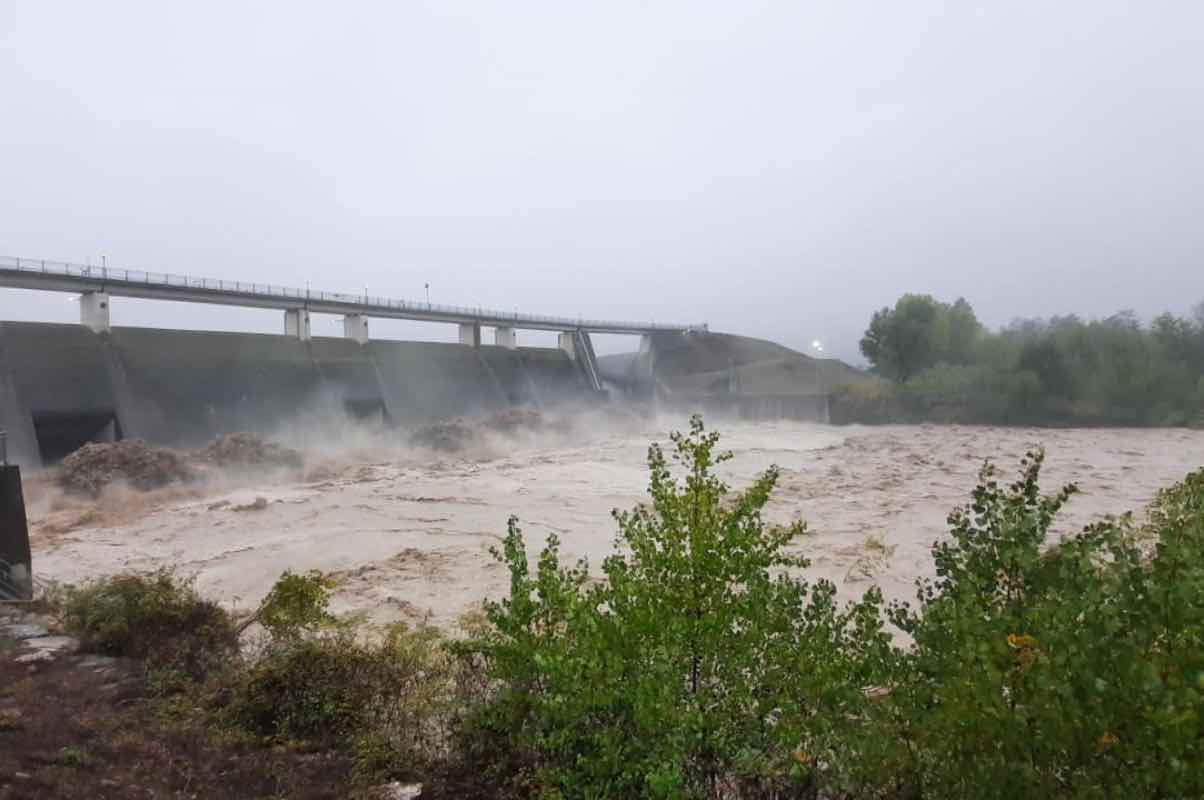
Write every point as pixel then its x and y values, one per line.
pixel 63 385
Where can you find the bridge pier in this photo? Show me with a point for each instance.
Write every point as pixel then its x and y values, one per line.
pixel 470 334
pixel 566 343
pixel 505 337
pixel 355 326
pixel 645 359
pixel 296 323
pixel 94 311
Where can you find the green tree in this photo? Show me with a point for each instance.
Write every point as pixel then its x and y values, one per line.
pixel 1063 370
pixel 698 668
pixel 920 332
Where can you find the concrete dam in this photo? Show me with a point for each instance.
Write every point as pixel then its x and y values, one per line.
pixel 64 385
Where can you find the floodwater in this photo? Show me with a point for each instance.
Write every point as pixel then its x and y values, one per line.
pixel 408 533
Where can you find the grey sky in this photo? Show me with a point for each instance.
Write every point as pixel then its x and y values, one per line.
pixel 776 169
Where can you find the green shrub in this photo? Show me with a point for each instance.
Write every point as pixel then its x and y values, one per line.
pixel 699 667
pixel 295 606
pixel 387 702
pixel 974 394
pixel 157 617
pixel 865 403
pixel 318 690
pixel 1047 673
pixel 74 757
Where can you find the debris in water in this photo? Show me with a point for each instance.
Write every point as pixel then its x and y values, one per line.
pixel 248 450
pixel 457 434
pixel 132 461
pixel 514 421
pixel 258 504
pixel 449 436
pixel 144 467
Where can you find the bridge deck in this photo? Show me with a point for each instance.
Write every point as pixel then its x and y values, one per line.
pixel 57 276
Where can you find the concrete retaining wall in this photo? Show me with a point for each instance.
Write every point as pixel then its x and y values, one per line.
pixel 183 387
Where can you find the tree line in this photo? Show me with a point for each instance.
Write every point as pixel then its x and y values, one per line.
pixel 940 363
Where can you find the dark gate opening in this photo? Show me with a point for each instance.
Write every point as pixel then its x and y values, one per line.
pixel 369 410
pixel 62 433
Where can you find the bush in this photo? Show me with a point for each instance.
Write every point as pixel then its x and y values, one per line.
pixel 866 403
pixel 948 394
pixel 320 690
pixel 387 702
pixel 699 667
pixel 1076 671
pixel 157 617
pixel 973 394
pixel 295 606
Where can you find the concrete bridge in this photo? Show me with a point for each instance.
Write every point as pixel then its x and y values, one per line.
pixel 97 285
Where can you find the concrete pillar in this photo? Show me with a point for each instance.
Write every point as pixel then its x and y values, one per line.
pixel 16 579
pixel 94 311
pixel 565 340
pixel 470 334
pixel 505 337
pixel 296 323
pixel 355 326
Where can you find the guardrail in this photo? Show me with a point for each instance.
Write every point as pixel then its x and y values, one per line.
pixel 142 278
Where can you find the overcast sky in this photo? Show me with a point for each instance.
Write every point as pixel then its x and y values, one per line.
pixel 774 169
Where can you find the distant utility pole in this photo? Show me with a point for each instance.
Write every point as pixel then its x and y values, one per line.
pixel 428 294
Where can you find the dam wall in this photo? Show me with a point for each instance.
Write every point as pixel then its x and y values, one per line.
pixel 62 385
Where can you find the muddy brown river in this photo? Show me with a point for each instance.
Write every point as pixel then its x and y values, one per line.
pixel 408 533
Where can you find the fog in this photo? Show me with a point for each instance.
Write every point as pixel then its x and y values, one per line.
pixel 773 169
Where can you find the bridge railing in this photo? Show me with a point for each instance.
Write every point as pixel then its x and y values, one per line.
pixel 137 277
